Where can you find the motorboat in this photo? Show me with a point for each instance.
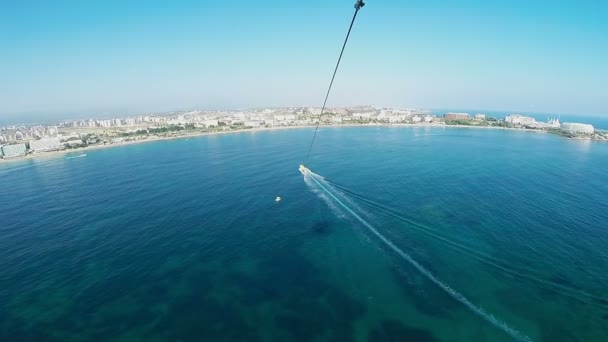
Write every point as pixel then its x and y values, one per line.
pixel 303 169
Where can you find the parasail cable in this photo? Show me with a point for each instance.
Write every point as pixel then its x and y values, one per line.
pixel 358 5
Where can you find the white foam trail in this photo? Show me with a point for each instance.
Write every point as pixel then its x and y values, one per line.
pixel 522 273
pixel 324 197
pixel 79 156
pixel 29 166
pixel 453 293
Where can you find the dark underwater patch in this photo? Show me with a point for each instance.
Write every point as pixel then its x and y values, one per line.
pixel 199 318
pixel 21 334
pixel 286 270
pixel 469 221
pixel 157 290
pixel 550 332
pixel 328 319
pixel 603 302
pixel 305 325
pixel 345 308
pixel 395 331
pixel 322 228
pixel 105 290
pixel 307 306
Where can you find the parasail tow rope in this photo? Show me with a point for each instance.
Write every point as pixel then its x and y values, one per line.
pixel 358 5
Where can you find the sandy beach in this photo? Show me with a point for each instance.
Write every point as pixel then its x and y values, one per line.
pixel 52 154
pixel 82 150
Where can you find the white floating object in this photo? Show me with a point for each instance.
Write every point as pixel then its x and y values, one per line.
pixel 278 199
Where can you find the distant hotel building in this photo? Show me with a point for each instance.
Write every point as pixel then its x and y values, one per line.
pixel 209 123
pixel 252 124
pixel 517 119
pixel 45 144
pixel 457 116
pixel 12 151
pixel 577 128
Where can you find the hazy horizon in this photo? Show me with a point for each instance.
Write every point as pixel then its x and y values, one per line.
pixel 41 118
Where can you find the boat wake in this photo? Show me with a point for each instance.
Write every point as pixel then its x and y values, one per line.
pixel 524 274
pixel 333 196
pixel 29 166
pixel 79 156
pixel 36 164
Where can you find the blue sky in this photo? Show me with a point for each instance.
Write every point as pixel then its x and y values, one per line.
pixel 89 58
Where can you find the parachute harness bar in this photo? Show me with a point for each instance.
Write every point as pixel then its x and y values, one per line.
pixel 358 5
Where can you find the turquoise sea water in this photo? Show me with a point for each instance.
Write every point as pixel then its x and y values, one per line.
pixel 182 240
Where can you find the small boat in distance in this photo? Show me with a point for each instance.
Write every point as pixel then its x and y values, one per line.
pixel 278 199
pixel 79 156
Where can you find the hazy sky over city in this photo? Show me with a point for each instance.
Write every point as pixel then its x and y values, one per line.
pixel 86 58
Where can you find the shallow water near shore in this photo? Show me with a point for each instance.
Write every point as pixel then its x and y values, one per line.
pixel 182 239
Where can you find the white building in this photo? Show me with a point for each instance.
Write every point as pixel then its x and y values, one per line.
pixel 53 131
pixel 105 123
pixel 314 111
pixel 45 144
pixel 397 118
pixel 75 143
pixel 252 124
pixel 480 116
pixel 366 115
pixel 577 128
pixel 209 123
pixel 11 151
pixel 456 116
pixel 554 123
pixel 517 119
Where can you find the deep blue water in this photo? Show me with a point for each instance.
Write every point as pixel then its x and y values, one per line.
pixel 182 239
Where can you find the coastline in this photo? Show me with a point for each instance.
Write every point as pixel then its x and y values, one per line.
pixel 83 150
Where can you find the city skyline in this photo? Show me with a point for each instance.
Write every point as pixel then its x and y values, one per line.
pixel 23 141
pixel 78 60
